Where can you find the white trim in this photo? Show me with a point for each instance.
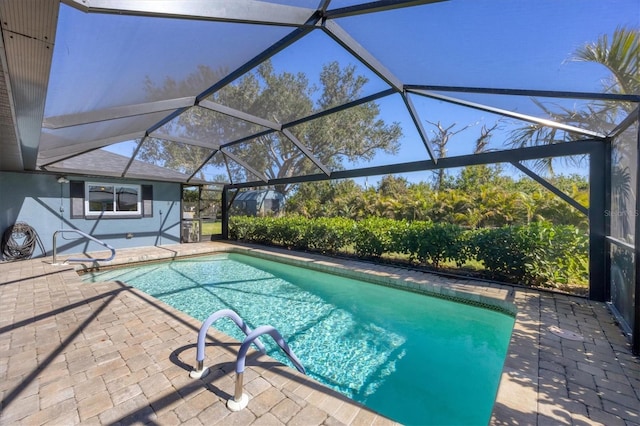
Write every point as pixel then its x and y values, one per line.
pixel 115 190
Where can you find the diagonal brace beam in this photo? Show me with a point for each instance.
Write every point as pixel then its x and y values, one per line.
pixel 183 140
pixel 261 176
pixel 306 151
pixel 231 112
pixel 343 38
pixel 624 125
pixel 510 114
pixel 416 121
pixel 204 163
pixel 573 203
pixel 134 155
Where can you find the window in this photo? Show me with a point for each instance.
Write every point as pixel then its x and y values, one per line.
pixel 108 199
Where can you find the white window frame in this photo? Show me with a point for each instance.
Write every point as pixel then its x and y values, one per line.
pixel 114 212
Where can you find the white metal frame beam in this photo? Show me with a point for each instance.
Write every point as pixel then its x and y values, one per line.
pixel 242 11
pixel 510 114
pixel 70 120
pixel 54 155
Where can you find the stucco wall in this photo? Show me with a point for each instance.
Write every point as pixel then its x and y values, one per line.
pixel 43 203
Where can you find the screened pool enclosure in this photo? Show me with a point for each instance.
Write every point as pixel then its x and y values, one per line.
pixel 268 94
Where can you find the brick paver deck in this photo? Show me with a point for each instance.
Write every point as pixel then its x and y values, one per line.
pixel 106 353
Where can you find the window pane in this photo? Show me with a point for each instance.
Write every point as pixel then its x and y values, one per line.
pixel 127 199
pixel 100 198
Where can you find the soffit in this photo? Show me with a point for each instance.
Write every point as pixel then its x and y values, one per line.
pixel 28 31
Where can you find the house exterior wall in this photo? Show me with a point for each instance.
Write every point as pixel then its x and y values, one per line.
pixel 44 204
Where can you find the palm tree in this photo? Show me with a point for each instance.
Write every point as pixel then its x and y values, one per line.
pixel 620 53
pixel 620 56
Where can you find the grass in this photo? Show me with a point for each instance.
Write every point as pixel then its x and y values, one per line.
pixel 211 228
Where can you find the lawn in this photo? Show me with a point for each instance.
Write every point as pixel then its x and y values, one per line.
pixel 211 228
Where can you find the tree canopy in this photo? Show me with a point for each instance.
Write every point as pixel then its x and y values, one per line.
pixel 479 196
pixel 354 134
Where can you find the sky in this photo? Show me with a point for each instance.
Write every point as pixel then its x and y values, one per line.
pixel 102 61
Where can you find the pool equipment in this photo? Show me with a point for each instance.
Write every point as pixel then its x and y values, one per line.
pixel 240 399
pixel 200 371
pixel 82 259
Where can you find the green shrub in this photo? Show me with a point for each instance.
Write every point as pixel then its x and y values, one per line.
pixel 431 242
pixel 241 228
pixel 535 254
pixel 400 235
pixel 289 231
pixel 372 236
pixel 330 235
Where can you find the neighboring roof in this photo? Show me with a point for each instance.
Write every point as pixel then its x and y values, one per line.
pixel 258 194
pixel 104 163
pixel 81 75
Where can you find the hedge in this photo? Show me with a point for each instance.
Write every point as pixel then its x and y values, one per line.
pixel 538 254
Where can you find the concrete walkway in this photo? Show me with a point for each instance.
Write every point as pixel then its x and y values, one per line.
pixel 72 353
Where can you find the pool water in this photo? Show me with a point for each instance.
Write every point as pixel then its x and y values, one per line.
pixel 414 358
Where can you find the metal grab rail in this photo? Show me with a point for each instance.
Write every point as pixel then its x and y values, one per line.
pixel 240 399
pixel 82 259
pixel 200 371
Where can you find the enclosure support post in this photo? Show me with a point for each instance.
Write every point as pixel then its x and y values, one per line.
pixel 225 213
pixel 598 165
pixel 608 153
pixel 635 340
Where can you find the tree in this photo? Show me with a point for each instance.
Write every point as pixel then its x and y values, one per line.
pixel 355 134
pixel 441 138
pixel 324 198
pixel 472 177
pixel 392 186
pixel 620 54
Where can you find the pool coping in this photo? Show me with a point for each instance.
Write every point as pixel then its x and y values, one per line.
pixel 384 279
pixel 546 379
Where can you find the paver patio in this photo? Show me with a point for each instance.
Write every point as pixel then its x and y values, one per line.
pixel 106 353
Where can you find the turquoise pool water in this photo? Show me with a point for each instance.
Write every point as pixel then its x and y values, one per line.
pixel 414 358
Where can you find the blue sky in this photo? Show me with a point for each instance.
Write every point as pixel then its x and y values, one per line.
pixel 492 43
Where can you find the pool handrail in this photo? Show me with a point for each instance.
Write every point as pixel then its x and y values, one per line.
pixel 202 335
pixel 82 259
pixel 240 399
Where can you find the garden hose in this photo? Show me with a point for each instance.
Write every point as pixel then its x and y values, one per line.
pixel 19 241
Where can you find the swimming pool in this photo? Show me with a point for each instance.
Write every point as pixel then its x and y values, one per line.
pixel 414 358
